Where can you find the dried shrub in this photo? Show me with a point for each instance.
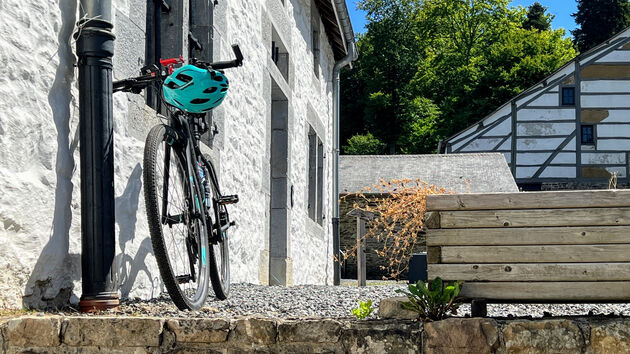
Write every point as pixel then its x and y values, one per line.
pixel 399 207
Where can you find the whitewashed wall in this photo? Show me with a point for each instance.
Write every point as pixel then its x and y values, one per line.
pixel 39 160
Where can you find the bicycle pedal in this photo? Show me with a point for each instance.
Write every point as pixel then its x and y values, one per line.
pixel 228 199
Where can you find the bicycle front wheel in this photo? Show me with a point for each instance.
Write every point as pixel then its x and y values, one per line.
pixel 178 233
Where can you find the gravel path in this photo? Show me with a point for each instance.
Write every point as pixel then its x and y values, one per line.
pixel 271 301
pixel 334 302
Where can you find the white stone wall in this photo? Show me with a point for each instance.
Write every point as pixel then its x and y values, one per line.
pixel 39 159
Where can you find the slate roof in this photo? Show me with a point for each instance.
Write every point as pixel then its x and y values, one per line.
pixel 485 172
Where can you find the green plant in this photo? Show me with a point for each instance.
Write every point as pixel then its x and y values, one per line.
pixel 433 300
pixel 364 310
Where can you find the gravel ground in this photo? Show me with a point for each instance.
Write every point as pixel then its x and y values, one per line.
pixel 309 301
pixel 271 301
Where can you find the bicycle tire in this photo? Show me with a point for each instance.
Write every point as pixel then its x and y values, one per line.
pixel 219 250
pixel 181 254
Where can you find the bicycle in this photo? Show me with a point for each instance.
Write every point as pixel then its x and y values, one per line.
pixel 187 214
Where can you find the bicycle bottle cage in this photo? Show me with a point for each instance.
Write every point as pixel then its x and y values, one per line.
pixel 172 136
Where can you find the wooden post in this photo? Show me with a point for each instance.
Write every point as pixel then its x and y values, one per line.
pixel 361 273
pixel 362 218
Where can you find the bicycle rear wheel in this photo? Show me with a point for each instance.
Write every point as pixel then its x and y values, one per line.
pixel 178 235
pixel 219 248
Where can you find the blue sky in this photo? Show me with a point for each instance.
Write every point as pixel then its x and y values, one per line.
pixel 562 9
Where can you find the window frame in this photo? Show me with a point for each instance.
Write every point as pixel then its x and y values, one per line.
pixel 562 96
pixel 593 134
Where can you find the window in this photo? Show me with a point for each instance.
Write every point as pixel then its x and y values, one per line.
pixel 568 96
pixel 279 54
pixel 167 24
pixel 315 177
pixel 588 135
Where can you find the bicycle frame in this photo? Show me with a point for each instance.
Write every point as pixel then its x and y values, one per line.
pixel 185 135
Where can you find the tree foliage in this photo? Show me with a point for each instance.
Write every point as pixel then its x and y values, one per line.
pixel 599 20
pixel 428 69
pixel 366 144
pixel 537 19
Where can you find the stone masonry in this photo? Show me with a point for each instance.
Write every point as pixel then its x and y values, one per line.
pixel 35 334
pixel 39 157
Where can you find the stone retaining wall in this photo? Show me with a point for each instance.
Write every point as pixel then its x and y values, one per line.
pixel 457 335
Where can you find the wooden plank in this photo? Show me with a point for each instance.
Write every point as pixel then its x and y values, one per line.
pixel 432 220
pixel 548 292
pixel 535 217
pixel 535 254
pixel 530 200
pixel 585 235
pixel 433 255
pixel 532 272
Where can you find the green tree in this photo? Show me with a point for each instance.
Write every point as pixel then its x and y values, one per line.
pixel 429 69
pixel 537 18
pixel 389 51
pixel 366 144
pixel 599 20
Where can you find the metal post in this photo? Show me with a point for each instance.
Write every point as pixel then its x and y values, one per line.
pixel 95 48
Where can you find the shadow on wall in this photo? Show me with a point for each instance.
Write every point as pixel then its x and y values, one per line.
pixel 126 211
pixel 51 281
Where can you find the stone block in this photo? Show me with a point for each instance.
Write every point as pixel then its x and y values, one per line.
pixel 389 336
pixel 557 336
pixel 33 332
pixel 254 331
pixel 112 332
pixel 196 330
pixel 461 335
pixel 313 331
pixel 610 337
pixel 392 308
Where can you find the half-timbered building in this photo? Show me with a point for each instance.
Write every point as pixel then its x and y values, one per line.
pixel 571 130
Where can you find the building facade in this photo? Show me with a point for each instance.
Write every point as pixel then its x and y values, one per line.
pixel 572 130
pixel 275 132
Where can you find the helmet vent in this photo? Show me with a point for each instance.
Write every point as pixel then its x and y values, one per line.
pixel 224 89
pixel 199 100
pixel 184 77
pixel 172 85
pixel 210 90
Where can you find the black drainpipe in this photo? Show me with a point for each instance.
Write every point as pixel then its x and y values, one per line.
pixel 95 48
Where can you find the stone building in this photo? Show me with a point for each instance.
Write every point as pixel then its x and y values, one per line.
pixel 273 147
pixel 571 130
pixel 459 173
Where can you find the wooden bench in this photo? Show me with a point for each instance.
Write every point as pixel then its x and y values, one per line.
pixel 540 247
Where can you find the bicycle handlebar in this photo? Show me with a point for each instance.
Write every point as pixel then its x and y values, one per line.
pixel 220 65
pixel 137 84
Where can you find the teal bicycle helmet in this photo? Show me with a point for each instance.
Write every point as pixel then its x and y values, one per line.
pixel 195 90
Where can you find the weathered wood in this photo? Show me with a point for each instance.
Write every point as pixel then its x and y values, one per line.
pixel 585 235
pixel 358 213
pixel 548 292
pixel 535 217
pixel 530 200
pixel 532 272
pixel 432 220
pixel 535 254
pixel 433 255
pixel 361 263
